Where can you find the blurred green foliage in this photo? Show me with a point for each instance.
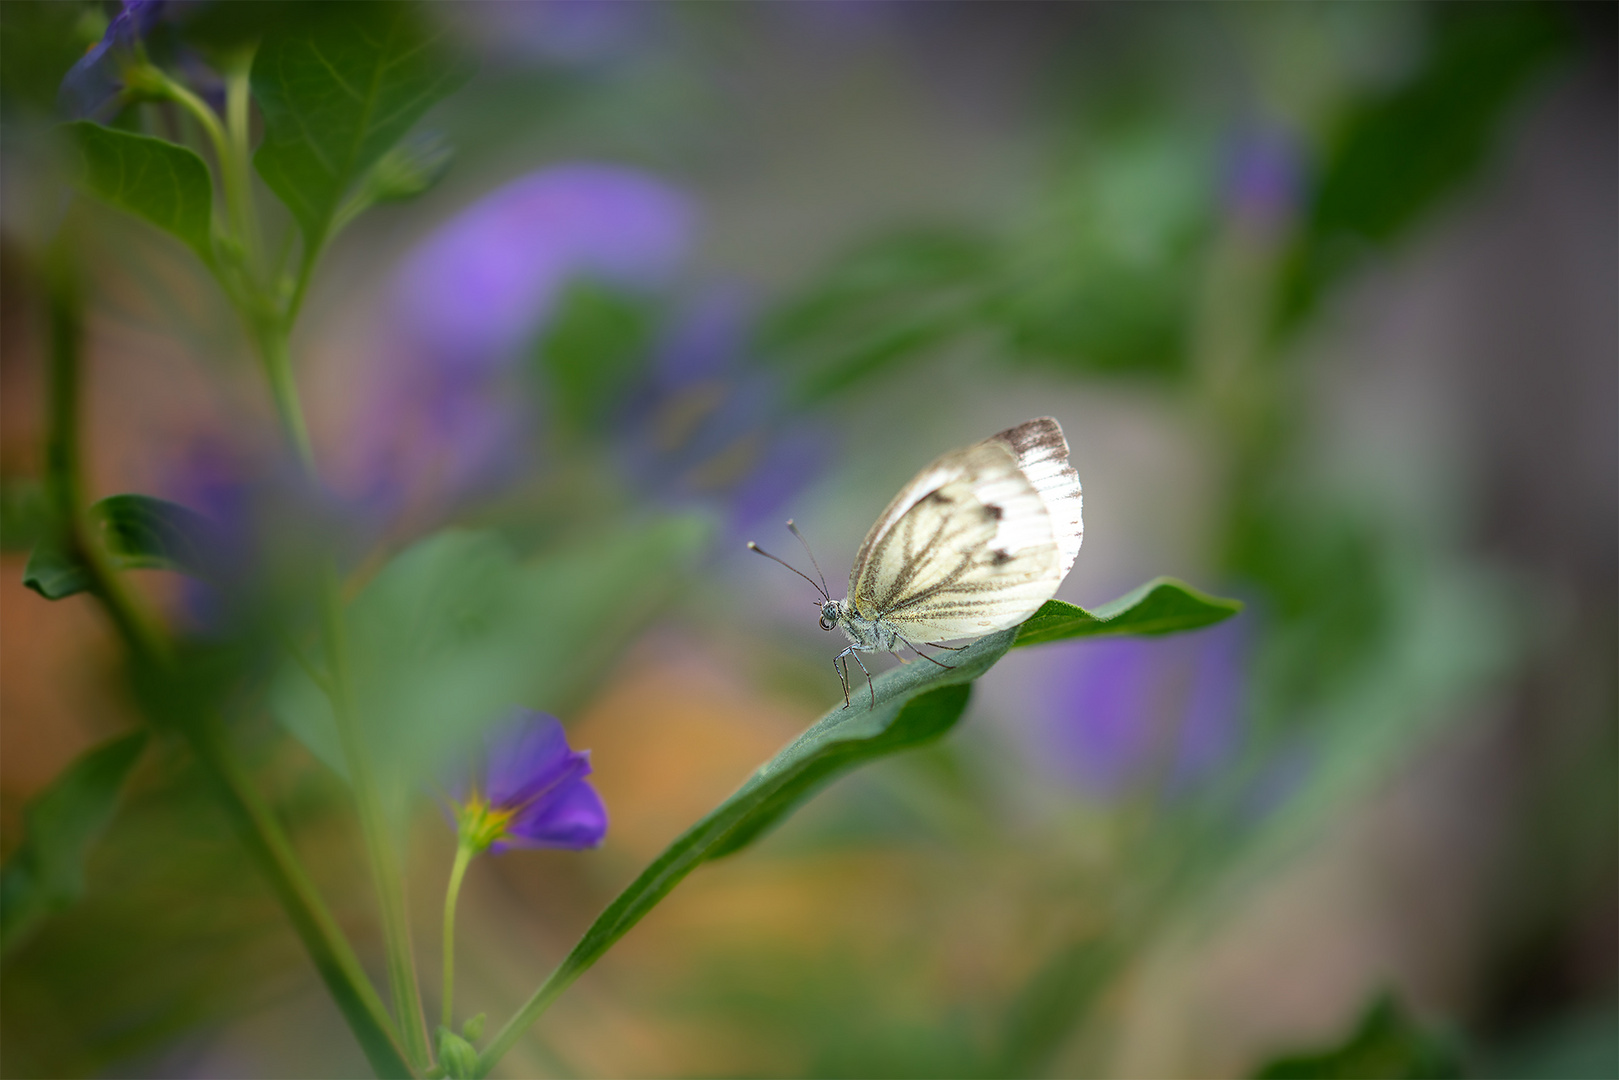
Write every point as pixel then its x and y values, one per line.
pixel 455 631
pixel 46 874
pixel 136 532
pixel 1386 1045
pixel 595 346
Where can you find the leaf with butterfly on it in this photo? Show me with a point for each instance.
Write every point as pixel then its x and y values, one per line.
pixel 909 707
pixel 1163 605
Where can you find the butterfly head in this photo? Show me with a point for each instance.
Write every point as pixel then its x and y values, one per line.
pixel 831 612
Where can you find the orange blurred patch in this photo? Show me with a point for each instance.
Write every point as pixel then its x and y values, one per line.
pixel 670 739
pixel 57 695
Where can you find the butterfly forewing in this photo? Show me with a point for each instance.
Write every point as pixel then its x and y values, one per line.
pixel 1042 456
pixel 965 549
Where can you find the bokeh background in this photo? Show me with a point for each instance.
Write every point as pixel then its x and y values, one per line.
pixel 1324 297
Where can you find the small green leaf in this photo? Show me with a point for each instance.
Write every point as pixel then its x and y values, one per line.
pixel 168 185
pixel 410 169
pixel 1387 1045
pixel 337 91
pixel 46 874
pixel 456 1055
pixel 138 532
pixel 1161 606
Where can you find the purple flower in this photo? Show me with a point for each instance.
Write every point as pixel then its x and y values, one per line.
pixel 1264 174
pixel 91 86
pixel 529 791
pixel 444 420
pixel 571 34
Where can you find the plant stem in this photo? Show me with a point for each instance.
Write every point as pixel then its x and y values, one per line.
pixel 559 980
pixel 152 655
pixel 385 871
pixel 237 178
pixel 386 875
pixel 463 856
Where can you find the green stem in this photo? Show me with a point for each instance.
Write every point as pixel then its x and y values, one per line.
pixel 559 980
pixel 386 875
pixel 152 653
pixel 463 856
pixel 237 178
pixel 276 357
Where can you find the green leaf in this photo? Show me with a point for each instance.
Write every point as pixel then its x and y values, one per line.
pixel 906 707
pixel 46 874
pixel 1387 1045
pixel 1161 606
pixel 137 532
pixel 168 185
pixel 455 631
pixel 337 91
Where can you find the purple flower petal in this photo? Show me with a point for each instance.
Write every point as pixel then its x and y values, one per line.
pixel 481 285
pixel 91 85
pixel 572 817
pixel 534 786
pixel 526 755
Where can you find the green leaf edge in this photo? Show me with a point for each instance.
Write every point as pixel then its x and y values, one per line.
pixel 185 164
pixel 137 532
pixel 1140 611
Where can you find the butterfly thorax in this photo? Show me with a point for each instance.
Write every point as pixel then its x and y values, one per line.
pixel 868 635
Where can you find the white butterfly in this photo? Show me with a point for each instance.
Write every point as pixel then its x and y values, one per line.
pixel 974 544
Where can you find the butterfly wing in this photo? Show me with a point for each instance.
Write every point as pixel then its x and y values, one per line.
pixel 965 549
pixel 1042 456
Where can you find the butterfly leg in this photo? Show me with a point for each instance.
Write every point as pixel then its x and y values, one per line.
pixel 869 686
pixel 843 673
pixel 929 659
pixel 936 645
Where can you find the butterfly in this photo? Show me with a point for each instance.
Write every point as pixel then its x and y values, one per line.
pixel 975 543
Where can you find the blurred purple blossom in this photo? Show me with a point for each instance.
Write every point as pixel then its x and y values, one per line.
pixel 563 33
pixel 91 86
pixel 441 421
pixel 266 531
pixel 1264 176
pixel 528 790
pixel 708 426
pixel 1112 714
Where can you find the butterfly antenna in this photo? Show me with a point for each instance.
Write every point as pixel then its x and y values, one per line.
pixel 755 547
pixel 794 530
